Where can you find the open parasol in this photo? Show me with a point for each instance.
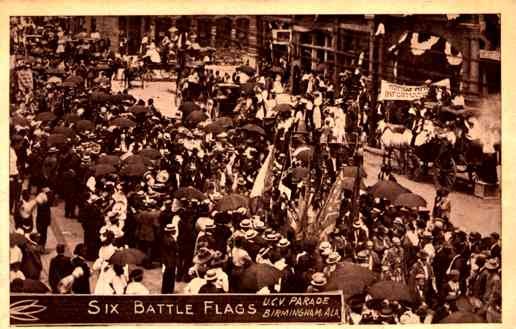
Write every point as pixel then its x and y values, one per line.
pixel 387 189
pixel 123 123
pixel 82 125
pixel 391 290
pixel 284 107
pixel 253 129
pixel 127 256
pixel 103 169
pixel 410 200
pixel 257 276
pixel 113 160
pixel 67 131
pixel 45 116
pixel 56 139
pixel 150 153
pixel 350 278
pixel 137 109
pixel 188 107
pixel 232 202
pixel 247 70
pixel 189 193
pixel 133 170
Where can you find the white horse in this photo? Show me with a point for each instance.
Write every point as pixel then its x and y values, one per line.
pixel 393 137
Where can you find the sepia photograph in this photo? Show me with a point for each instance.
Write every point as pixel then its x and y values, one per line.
pixel 341 168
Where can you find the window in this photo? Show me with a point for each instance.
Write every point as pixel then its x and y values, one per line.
pixel 204 32
pixel 242 31
pixel 223 37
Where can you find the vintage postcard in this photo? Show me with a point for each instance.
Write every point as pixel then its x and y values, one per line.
pixel 331 168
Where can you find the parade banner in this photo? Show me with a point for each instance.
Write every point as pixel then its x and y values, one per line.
pixel 34 309
pixel 393 91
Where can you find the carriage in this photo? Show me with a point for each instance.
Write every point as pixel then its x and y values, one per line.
pixel 448 154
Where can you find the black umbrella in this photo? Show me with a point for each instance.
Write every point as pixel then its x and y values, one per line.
pixel 195 117
pixel 232 202
pixel 56 139
pixel 82 125
pixel 257 276
pixel 123 123
pixel 67 131
pixel 300 172
pixel 284 107
pixel 149 153
pixel 387 189
pixel 133 170
pixel 410 200
pixel 71 117
pixel 113 160
pixel 138 159
pixel 103 169
pixel 391 290
pixel 45 116
pixel 137 109
pixel 127 256
pixel 189 193
pixel 188 107
pixel 350 278
pixel 75 79
pixel 463 317
pixel 18 120
pixel 254 129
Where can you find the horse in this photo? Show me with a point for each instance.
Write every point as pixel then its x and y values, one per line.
pixel 394 137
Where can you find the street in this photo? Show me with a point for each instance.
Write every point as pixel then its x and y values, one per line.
pixel 470 213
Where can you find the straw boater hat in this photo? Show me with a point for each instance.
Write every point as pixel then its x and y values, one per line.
pixel 283 243
pixel 170 228
pixel 492 264
pixel 211 275
pixel 324 245
pixel 333 258
pixel 203 256
pixel 245 224
pixel 318 279
pixel 251 234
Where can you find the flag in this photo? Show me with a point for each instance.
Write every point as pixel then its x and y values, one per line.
pixel 263 176
pixel 328 215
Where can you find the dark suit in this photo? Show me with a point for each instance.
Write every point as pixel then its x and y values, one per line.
pixel 210 288
pixel 43 219
pixel 81 285
pixel 168 250
pixel 60 266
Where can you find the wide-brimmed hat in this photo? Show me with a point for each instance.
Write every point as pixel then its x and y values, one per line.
pixel 271 237
pixel 357 224
pixel 333 258
pixel 246 223
pixel 283 243
pixel 211 275
pixel 363 255
pixel 324 245
pixel 170 228
pixel 420 276
pixel 427 235
pixel 251 234
pixel 318 279
pixel 53 149
pixel 492 264
pixel 203 256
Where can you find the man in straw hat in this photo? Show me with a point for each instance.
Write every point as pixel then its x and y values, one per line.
pixel 169 251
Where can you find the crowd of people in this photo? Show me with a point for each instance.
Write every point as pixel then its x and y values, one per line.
pixel 212 198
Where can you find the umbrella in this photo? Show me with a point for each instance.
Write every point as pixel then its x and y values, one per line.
pixel 284 107
pixel 18 120
pixel 133 170
pixel 350 278
pixel 348 184
pixel 113 160
pixel 257 276
pixel 391 290
pixel 138 159
pixel 35 287
pixel 189 193
pixel 103 169
pixel 75 79
pixel 387 189
pixel 232 202
pixel 152 154
pixel 188 107
pixel 463 317
pixel 71 117
pixel 54 80
pixel 303 153
pixel 219 125
pixel 67 131
pixel 123 123
pixel 17 239
pixel 56 139
pixel 84 125
pixel 99 96
pixel 45 116
pixel 69 84
pixel 254 128
pixel 247 70
pixel 351 171
pixel 300 172
pixel 195 117
pixel 410 200
pixel 137 109
pixel 127 256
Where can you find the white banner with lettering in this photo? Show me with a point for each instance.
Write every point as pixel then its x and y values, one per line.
pixel 393 91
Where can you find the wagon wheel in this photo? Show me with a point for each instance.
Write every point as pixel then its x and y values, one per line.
pixel 445 172
pixel 414 167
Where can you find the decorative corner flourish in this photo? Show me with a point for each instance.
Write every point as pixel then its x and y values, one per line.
pixel 24 310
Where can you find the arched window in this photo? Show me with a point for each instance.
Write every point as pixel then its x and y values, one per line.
pixel 242 31
pixel 223 37
pixel 204 31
